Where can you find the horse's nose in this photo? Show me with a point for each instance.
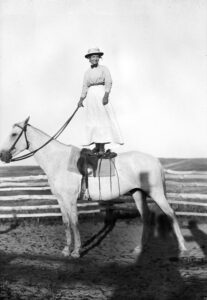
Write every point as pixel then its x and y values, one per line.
pixel 5 156
pixel 1 156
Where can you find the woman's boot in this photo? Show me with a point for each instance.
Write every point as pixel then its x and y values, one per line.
pixel 96 148
pixel 101 149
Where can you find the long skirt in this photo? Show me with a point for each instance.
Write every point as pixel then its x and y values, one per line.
pixel 101 124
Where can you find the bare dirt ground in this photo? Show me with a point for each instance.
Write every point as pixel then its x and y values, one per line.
pixel 32 266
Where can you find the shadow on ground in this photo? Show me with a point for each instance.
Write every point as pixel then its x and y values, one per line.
pixel 199 236
pixel 153 274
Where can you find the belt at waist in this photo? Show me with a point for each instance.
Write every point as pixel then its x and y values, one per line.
pixel 93 84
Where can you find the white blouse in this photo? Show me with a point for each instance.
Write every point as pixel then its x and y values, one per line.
pixel 95 76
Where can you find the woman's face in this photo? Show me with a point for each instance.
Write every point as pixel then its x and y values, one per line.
pixel 94 59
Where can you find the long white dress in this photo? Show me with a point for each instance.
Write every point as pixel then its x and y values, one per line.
pixel 101 123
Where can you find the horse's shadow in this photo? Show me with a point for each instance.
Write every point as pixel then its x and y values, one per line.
pixel 155 273
pixel 14 224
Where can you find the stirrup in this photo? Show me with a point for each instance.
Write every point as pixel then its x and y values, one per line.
pixel 84 195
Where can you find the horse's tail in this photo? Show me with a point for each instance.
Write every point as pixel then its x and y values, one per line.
pixel 163 180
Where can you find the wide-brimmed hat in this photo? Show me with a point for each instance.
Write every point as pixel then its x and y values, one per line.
pixel 93 51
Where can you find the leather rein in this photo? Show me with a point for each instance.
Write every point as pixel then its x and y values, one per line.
pixel 24 129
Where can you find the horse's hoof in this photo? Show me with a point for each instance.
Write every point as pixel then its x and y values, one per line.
pixel 138 249
pixel 75 254
pixel 183 252
pixel 66 251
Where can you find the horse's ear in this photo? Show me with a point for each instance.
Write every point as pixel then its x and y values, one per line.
pixel 27 120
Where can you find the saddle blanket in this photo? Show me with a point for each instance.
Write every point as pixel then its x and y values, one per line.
pixel 72 162
pixel 106 167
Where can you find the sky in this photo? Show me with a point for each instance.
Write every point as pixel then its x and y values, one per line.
pixel 156 51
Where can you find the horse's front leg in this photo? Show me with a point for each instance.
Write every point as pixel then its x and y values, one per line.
pixel 76 234
pixel 70 220
pixel 57 191
pixel 66 222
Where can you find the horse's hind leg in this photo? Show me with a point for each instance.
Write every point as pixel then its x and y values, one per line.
pixel 141 203
pixel 158 196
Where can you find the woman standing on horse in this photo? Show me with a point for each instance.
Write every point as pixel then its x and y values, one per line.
pixel 101 124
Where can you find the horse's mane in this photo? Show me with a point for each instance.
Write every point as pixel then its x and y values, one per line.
pixel 47 135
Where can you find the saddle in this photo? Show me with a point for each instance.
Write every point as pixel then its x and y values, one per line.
pixel 87 161
pixel 87 165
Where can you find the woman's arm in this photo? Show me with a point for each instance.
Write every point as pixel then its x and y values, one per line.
pixel 84 90
pixel 108 85
pixel 108 80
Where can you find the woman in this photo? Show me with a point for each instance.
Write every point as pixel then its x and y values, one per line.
pixel 101 124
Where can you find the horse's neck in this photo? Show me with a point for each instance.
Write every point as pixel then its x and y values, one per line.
pixel 50 155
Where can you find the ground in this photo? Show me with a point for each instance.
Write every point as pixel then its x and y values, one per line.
pixel 32 266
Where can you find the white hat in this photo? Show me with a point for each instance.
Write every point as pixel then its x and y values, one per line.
pixel 93 51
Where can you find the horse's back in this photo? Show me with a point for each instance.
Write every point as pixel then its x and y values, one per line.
pixel 140 159
pixel 144 168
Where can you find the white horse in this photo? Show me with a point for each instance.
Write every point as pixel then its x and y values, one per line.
pixel 137 172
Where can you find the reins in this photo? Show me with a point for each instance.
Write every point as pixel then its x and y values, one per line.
pixel 55 136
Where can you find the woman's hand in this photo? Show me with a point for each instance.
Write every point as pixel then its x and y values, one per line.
pixel 105 98
pixel 80 103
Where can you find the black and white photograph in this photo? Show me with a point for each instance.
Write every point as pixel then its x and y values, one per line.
pixel 103 150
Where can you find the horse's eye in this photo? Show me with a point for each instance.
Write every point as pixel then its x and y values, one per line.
pixel 14 134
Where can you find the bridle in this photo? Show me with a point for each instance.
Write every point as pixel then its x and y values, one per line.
pixel 24 129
